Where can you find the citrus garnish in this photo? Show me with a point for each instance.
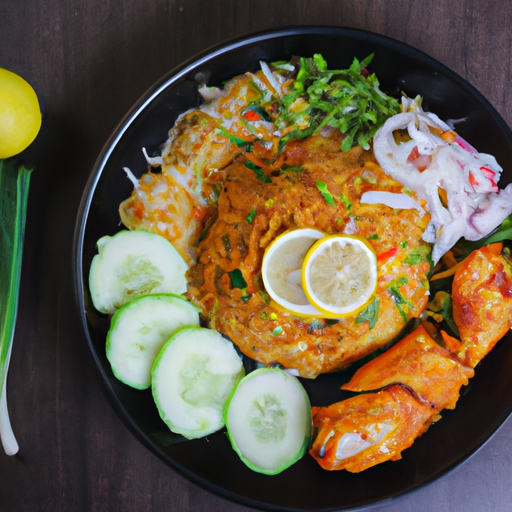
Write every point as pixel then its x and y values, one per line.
pixel 339 275
pixel 20 114
pixel 282 268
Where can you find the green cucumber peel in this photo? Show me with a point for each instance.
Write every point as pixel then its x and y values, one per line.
pixel 140 329
pixel 191 379
pixel 268 420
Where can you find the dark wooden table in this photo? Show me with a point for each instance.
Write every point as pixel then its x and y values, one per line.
pixel 90 61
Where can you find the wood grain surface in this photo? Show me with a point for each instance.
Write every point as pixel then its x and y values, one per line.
pixel 90 61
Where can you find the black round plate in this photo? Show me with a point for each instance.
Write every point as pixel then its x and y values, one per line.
pixel 211 463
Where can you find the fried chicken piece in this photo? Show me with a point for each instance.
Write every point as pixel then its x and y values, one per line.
pixel 368 429
pixel 482 301
pixel 433 374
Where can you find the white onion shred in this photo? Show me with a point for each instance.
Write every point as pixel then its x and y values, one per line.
pixel 210 93
pixel 153 161
pixel 132 178
pixel 395 201
pixel 428 165
pixel 271 78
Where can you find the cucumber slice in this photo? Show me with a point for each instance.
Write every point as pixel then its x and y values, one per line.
pixel 138 332
pixel 268 417
pixel 192 377
pixel 131 264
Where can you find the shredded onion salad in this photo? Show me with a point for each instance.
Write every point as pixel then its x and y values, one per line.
pixel 458 184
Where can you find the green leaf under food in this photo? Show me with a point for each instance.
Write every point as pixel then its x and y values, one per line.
pixel 442 303
pixel 14 188
pixel 502 233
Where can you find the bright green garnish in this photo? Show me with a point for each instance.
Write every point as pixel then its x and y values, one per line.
pixel 348 99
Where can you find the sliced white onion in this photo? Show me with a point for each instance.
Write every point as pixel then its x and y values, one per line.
pixel 271 78
pixel 393 200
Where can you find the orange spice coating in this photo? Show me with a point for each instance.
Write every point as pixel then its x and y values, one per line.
pixel 253 211
pixel 368 429
pixel 417 361
pixel 482 301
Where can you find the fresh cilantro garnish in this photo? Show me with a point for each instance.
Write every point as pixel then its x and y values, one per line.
pixel 370 314
pixel 401 302
pixel 348 99
pixel 417 255
pixel 237 279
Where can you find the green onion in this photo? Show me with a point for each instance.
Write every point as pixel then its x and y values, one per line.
pixel 14 188
pixel 250 216
pixel 322 187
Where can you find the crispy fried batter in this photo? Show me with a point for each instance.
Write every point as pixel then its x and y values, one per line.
pixel 482 301
pixel 255 206
pixel 368 429
pixel 417 361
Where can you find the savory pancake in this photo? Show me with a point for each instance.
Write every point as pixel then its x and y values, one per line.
pixel 257 203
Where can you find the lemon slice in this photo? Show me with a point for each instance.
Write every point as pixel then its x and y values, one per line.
pixel 339 275
pixel 282 269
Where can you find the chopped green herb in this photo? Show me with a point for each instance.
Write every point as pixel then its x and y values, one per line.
pixel 348 99
pixel 417 255
pixel 375 236
pixel 322 187
pixel 348 204
pixel 203 234
pixel 269 203
pixel 370 314
pixel 255 113
pixel 317 323
pixel 237 279
pixel 250 216
pixel 442 303
pixel 265 297
pixel 226 242
pixel 241 143
pixel 245 295
pixel 258 171
pixel 287 168
pixel 402 303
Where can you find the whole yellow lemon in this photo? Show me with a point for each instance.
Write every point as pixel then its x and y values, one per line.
pixel 20 114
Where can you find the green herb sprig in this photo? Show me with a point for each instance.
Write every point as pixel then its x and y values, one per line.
pixel 348 99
